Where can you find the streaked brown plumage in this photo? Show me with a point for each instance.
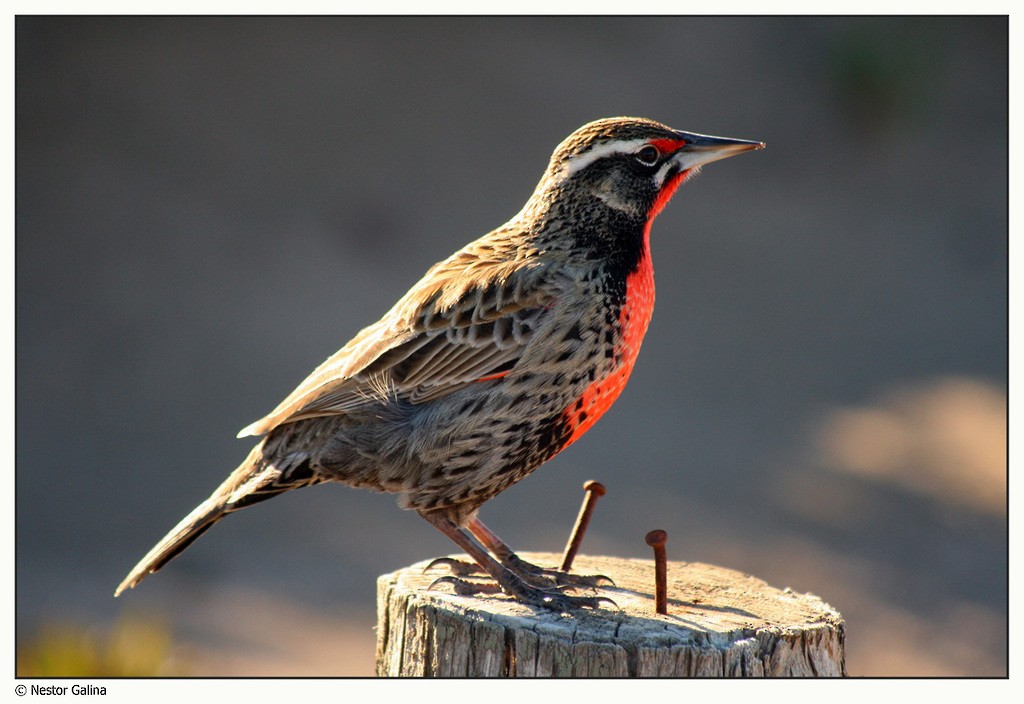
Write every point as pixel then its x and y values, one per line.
pixel 499 358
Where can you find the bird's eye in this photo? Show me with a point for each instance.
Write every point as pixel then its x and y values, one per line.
pixel 647 155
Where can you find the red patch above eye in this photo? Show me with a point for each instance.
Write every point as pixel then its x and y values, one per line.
pixel 667 146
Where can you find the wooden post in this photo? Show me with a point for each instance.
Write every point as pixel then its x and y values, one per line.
pixel 720 623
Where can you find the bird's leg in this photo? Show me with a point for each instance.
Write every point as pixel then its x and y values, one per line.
pixel 507 580
pixel 462 568
pixel 530 573
pixel 491 541
pixel 527 571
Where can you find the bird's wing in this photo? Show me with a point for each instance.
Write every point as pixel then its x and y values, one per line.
pixel 468 320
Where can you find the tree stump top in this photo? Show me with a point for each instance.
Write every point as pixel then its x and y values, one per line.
pixel 719 622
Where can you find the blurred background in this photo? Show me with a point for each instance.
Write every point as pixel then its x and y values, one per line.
pixel 209 207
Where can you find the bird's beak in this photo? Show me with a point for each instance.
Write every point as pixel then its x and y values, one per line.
pixel 702 149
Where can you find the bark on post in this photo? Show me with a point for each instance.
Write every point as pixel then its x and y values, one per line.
pixel 720 623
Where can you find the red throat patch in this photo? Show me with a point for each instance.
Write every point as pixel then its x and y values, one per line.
pixel 634 318
pixel 665 194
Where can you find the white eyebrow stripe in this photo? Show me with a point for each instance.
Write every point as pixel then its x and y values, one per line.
pixel 582 161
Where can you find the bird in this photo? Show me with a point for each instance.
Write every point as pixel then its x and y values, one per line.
pixel 500 357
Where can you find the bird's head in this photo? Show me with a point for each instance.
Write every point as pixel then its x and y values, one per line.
pixel 632 165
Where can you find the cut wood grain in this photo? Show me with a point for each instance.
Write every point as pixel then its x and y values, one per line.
pixel 720 623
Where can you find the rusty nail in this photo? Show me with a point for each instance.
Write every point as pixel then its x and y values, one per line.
pixel 595 490
pixel 657 539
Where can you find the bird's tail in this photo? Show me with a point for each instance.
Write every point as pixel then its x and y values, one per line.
pixel 255 480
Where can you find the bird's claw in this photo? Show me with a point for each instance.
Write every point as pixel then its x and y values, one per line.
pixel 461 568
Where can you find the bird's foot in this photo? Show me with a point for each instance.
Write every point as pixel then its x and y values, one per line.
pixel 535 575
pixel 544 577
pixel 464 587
pixel 551 598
